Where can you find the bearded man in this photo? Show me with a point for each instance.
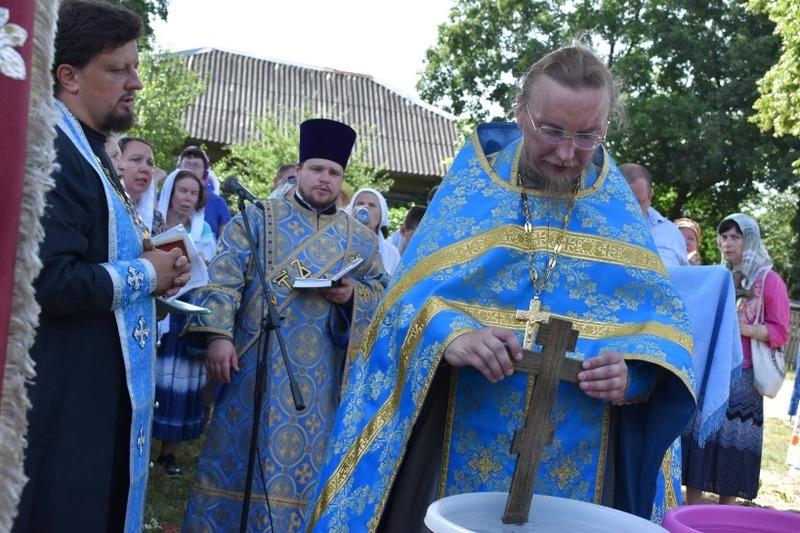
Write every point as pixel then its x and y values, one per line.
pixel 301 236
pixel 531 215
pixel 92 401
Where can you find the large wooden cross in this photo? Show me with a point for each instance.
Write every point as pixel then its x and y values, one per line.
pixel 549 366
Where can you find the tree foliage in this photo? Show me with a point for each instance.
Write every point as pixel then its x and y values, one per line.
pixel 147 9
pixel 169 88
pixel 778 107
pixel 775 212
pixel 257 161
pixel 689 71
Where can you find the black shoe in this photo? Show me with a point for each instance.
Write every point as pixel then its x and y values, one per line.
pixel 169 464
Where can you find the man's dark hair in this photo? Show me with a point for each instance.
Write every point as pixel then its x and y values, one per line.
pixel 725 225
pixel 87 28
pixel 125 140
pixel 413 217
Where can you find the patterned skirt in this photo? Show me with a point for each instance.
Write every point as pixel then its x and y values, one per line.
pixel 730 462
pixel 180 376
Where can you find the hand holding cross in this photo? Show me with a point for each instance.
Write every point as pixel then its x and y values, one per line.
pixel 556 337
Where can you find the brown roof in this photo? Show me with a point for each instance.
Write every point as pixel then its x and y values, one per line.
pixel 406 136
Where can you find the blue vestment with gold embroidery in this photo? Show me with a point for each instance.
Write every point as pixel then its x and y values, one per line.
pixel 467 267
pixel 293 241
pixel 134 280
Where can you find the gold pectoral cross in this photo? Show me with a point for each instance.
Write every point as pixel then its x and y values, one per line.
pixel 534 316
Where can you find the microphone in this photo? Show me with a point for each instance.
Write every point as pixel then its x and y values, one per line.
pixel 232 185
pixel 361 213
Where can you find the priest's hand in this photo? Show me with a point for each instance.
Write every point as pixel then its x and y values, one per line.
pixel 604 377
pixel 220 358
pixel 172 270
pixel 486 349
pixel 340 294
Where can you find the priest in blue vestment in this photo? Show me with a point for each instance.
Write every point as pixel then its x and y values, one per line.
pixel 88 447
pixel 533 216
pixel 303 236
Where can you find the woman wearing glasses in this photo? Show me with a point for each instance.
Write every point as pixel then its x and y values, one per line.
pixel 730 464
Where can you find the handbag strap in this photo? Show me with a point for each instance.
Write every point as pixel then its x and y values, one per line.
pixel 760 317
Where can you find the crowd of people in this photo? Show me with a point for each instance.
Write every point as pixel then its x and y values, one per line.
pixel 405 364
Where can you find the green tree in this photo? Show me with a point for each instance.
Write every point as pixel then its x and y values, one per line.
pixel 169 88
pixel 778 107
pixel 689 69
pixel 257 161
pixel 775 211
pixel 147 9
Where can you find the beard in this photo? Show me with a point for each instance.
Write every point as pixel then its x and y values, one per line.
pixel 318 204
pixel 550 183
pixel 118 121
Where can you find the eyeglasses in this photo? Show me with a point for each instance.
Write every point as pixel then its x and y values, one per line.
pixel 582 141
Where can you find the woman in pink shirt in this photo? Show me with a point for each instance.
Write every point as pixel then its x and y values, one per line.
pixel 730 464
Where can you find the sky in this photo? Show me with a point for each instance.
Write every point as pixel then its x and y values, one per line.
pixel 386 40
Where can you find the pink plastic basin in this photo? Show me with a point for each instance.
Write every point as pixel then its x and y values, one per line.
pixel 730 519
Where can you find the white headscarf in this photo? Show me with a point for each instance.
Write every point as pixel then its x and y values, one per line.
pixel 755 258
pixel 212 177
pixel 147 203
pixel 197 218
pixel 389 253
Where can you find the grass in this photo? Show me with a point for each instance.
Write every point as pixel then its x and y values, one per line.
pixel 167 496
pixel 779 489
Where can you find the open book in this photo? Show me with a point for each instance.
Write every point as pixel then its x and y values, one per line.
pixel 178 237
pixel 333 281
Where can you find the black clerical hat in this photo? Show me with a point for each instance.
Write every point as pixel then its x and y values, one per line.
pixel 326 139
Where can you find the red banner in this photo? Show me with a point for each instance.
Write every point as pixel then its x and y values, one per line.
pixel 16 48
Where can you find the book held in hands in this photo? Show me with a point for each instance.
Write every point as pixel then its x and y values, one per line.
pixel 178 237
pixel 333 281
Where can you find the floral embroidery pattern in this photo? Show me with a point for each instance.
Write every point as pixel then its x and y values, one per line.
pixel 11 36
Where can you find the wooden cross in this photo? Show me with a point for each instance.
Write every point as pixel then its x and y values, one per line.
pixel 556 338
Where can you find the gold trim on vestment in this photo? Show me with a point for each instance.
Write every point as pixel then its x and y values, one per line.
pixel 384 414
pixel 203 329
pixel 373 525
pixel 285 264
pixel 587 329
pixel 502 182
pixel 238 496
pixel 448 430
pixel 211 288
pixel 670 498
pixel 269 251
pixel 592 330
pixel 576 245
pixel 602 457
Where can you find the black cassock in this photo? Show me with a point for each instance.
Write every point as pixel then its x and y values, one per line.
pixel 79 425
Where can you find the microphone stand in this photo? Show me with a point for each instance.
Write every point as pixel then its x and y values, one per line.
pixel 270 322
